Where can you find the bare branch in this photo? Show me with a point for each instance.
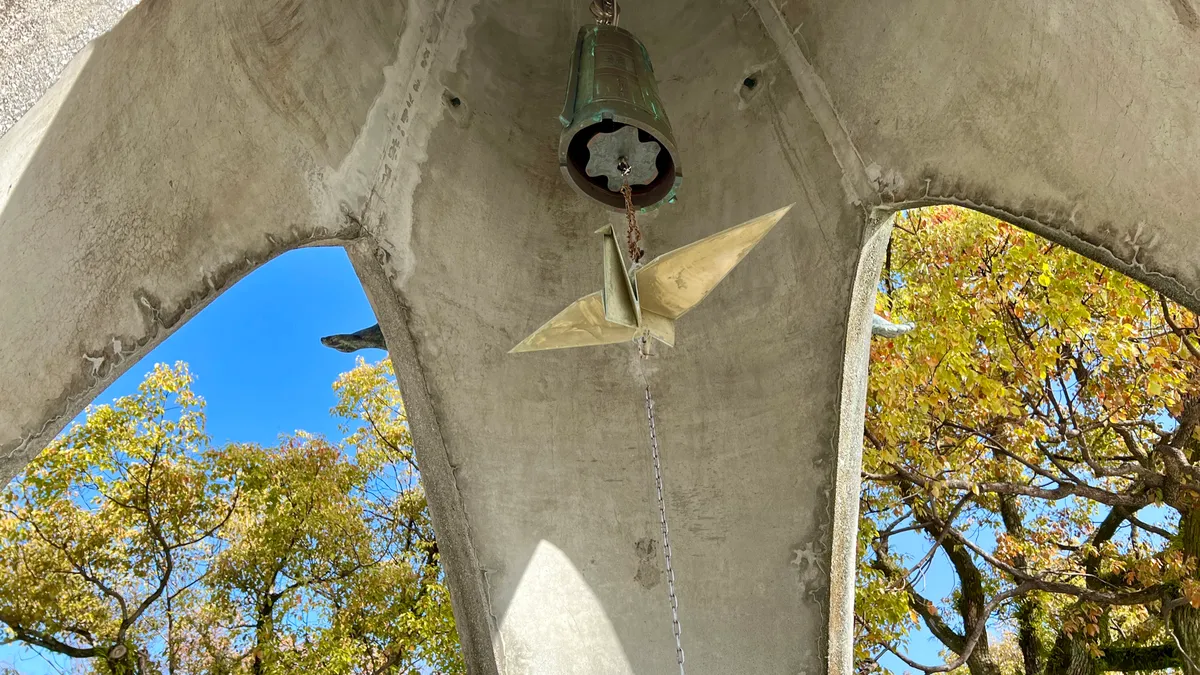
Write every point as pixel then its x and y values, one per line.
pixel 1153 529
pixel 1064 489
pixel 1183 337
pixel 1039 582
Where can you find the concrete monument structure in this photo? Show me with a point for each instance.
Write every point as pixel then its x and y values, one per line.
pixel 194 141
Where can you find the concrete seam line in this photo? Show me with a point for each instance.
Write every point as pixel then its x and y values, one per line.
pixel 469 597
pixel 816 97
pixel 417 79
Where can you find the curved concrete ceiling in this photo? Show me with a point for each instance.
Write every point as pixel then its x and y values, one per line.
pixel 195 141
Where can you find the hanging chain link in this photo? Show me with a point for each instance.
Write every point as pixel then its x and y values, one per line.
pixel 633 240
pixel 633 232
pixel 662 519
pixel 606 12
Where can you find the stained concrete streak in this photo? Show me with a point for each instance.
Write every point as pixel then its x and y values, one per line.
pixel 858 185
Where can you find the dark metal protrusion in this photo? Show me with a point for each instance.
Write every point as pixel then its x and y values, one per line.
pixel 367 338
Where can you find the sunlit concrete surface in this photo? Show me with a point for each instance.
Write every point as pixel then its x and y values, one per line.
pixel 38 38
pixel 548 640
pixel 196 140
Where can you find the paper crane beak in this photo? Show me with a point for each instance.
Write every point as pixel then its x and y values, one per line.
pixel 645 302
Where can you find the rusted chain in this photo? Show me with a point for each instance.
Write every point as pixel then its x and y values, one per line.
pixel 633 233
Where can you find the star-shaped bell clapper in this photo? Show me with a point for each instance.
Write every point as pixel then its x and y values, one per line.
pixel 622 158
pixel 645 301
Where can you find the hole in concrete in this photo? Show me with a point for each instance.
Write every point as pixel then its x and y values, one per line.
pixel 749 87
pixel 457 108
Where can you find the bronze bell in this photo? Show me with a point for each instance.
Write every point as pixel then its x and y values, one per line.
pixel 616 131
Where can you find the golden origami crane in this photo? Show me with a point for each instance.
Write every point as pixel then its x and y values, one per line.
pixel 644 302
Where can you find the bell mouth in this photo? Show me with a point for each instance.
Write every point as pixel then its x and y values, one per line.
pixel 643 196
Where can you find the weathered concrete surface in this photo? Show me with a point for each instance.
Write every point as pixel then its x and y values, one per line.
pixel 197 140
pixel 38 39
pixel 178 152
pixel 1077 121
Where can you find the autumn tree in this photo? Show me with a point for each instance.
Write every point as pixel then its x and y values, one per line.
pixel 1035 435
pixel 136 546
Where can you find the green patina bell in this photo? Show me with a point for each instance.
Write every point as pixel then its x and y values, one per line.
pixel 616 131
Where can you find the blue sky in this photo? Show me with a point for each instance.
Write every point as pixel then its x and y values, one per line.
pixel 258 361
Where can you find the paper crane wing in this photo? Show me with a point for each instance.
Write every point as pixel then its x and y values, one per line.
pixel 675 282
pixel 581 324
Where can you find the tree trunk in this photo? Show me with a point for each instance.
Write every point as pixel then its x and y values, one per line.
pixel 1028 615
pixel 1029 606
pixel 1140 659
pixel 127 664
pixel 972 599
pixel 1185 620
pixel 971 603
pixel 1070 656
pixel 170 637
pixel 264 633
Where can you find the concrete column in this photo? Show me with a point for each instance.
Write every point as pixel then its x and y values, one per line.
pixel 549 451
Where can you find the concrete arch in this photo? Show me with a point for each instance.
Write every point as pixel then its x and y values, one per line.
pixel 856 375
pixel 197 140
pixel 1073 122
pixel 549 447
pixel 153 175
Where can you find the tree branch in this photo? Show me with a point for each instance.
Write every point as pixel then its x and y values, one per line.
pixel 972 639
pixel 1135 659
pixel 1166 308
